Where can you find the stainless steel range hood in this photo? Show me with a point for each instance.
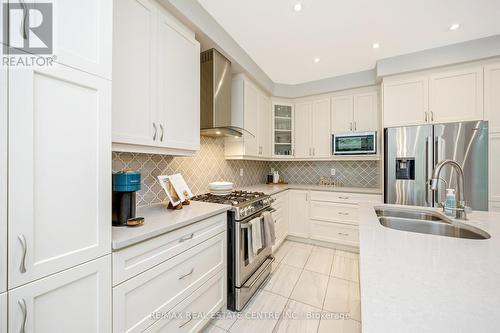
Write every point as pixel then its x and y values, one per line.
pixel 215 96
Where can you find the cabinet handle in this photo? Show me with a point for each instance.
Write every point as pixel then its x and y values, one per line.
pixel 432 115
pixel 350 126
pixel 22 305
pixel 186 238
pixel 187 274
pixel 314 151
pixel 293 151
pixel 425 116
pixel 186 322
pixel 24 32
pixel 22 266
pixel 343 213
pixel 342 234
pixel 156 130
pixel 344 198
pixel 161 136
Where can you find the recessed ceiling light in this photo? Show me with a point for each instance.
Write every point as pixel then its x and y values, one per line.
pixel 297 7
pixel 454 26
pixel 376 45
pixel 316 60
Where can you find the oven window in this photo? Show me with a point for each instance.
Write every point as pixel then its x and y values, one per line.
pixel 244 241
pixel 354 144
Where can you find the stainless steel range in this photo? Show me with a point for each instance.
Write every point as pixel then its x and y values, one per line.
pixel 244 276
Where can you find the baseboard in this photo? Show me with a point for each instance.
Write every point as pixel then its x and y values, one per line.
pixel 335 246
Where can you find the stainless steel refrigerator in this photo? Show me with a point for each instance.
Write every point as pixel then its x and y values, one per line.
pixel 412 152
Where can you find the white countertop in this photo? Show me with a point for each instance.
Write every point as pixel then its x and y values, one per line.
pixel 276 188
pixel 413 282
pixel 160 220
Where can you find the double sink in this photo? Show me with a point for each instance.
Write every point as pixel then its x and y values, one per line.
pixel 426 222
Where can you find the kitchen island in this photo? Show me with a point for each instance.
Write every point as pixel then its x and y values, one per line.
pixel 412 282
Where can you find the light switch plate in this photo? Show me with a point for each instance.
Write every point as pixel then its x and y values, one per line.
pixel 332 172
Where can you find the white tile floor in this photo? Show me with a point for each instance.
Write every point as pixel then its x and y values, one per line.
pixel 311 290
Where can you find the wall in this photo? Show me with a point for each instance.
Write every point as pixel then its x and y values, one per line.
pixel 209 165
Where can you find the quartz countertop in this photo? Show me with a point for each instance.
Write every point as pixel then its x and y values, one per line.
pixel 160 220
pixel 276 188
pixel 412 282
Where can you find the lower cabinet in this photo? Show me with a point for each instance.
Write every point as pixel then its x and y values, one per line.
pixel 193 313
pixel 298 224
pixel 335 233
pixel 75 300
pixel 494 206
pixel 147 298
pixel 3 313
pixel 280 214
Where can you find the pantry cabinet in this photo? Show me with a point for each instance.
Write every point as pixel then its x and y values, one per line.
pixel 76 300
pixel 156 81
pixel 3 179
pixel 59 171
pixel 452 95
pixel 82 35
pixel 298 213
pixel 355 113
pixel 312 129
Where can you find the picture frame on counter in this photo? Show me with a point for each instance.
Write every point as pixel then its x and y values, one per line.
pixel 176 188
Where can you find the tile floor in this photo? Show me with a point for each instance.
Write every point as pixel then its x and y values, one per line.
pixel 311 290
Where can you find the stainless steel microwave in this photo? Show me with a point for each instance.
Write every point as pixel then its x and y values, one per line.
pixel 354 143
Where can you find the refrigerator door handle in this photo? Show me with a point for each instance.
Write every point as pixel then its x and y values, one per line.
pixel 427 172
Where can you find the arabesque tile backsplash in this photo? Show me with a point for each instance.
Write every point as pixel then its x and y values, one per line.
pixel 209 165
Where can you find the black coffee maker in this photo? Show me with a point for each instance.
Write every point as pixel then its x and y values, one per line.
pixel 125 184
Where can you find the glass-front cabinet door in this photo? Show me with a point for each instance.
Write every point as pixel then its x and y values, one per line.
pixel 283 130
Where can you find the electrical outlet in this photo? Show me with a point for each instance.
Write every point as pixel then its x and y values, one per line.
pixel 272 170
pixel 241 172
pixel 332 172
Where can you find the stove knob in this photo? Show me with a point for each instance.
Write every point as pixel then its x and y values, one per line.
pixel 243 211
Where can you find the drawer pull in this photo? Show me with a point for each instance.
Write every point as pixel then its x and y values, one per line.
pixel 187 274
pixel 343 213
pixel 344 198
pixel 342 234
pixel 186 322
pixel 186 238
pixel 22 305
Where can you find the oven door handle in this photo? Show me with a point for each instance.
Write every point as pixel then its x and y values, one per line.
pixel 247 225
pixel 260 274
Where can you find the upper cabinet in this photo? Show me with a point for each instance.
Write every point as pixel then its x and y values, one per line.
pixel 82 33
pixel 156 81
pixel 59 171
pixel 250 110
pixel 355 113
pixel 492 96
pixel 447 96
pixel 282 124
pixel 312 129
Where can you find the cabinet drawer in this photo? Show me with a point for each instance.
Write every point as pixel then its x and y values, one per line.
pixel 352 198
pixel 335 233
pixel 334 212
pixel 134 260
pixel 165 285
pixel 193 313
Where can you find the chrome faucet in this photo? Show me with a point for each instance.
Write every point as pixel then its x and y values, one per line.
pixel 461 210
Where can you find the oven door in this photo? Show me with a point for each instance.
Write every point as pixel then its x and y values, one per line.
pixel 244 269
pixel 354 143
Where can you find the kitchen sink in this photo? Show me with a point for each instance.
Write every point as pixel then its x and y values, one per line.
pixel 427 223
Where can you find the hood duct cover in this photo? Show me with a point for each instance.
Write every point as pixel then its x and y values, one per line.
pixel 215 96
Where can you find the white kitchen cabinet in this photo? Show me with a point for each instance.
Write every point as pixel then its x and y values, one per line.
pixel 494 167
pixel 160 288
pixel 156 81
pixel 250 110
pixel 3 179
pixel 312 129
pixel 342 116
pixel 298 223
pixel 492 96
pixel 134 71
pixel 59 171
pixel 82 34
pixel 303 114
pixel 178 86
pixel 456 95
pixel 76 300
pixel 281 217
pixel 283 129
pixel 406 101
pixel 494 206
pixel 3 313
pixel 355 112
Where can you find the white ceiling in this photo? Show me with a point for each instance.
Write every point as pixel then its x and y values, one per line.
pixel 341 32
